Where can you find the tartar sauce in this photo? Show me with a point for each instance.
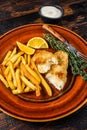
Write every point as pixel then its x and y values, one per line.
pixel 51 12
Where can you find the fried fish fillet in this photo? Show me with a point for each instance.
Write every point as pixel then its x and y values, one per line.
pixel 58 73
pixel 44 60
pixel 53 65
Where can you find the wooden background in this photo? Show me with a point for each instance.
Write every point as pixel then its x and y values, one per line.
pixel 14 13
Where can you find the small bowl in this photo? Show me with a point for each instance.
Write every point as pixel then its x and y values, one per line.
pixel 51 13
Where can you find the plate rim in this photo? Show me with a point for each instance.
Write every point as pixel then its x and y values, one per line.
pixel 35 24
pixel 61 116
pixel 45 120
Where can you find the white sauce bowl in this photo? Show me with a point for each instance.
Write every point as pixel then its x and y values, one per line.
pixel 51 13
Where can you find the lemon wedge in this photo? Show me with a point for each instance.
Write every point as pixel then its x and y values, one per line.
pixel 25 49
pixel 37 42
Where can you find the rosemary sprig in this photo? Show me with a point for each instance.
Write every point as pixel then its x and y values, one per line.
pixel 78 65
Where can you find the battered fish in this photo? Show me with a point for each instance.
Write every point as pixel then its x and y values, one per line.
pixel 53 65
pixel 58 73
pixel 44 60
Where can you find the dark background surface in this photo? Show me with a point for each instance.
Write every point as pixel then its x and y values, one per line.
pixel 15 13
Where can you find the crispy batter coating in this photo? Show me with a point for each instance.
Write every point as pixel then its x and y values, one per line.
pixel 53 65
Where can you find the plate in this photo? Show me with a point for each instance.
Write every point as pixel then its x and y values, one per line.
pixel 38 110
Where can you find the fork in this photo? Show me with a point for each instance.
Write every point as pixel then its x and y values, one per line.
pixel 57 35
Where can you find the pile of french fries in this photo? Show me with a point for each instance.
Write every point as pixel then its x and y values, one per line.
pixel 19 73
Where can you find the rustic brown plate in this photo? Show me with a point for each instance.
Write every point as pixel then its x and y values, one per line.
pixel 41 111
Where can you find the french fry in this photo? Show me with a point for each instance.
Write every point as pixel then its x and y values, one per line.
pixel 9 80
pixel 33 66
pixel 13 53
pixel 22 74
pixel 28 83
pixel 32 79
pixel 13 73
pixel 25 57
pixel 9 75
pixel 43 81
pixel 4 81
pixel 17 62
pixel 23 60
pixel 23 85
pixel 29 76
pixel 6 71
pixel 6 58
pixel 27 89
pixel 33 73
pixel 21 70
pixel 11 85
pixel 38 90
pixel 45 85
pixel 29 58
pixel 16 56
pixel 16 91
pixel 18 80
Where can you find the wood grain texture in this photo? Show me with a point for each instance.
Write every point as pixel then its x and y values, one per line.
pixel 11 9
pixel 15 13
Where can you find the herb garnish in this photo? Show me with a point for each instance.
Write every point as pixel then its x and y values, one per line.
pixel 78 65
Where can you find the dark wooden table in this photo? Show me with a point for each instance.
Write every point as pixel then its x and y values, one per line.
pixel 15 13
